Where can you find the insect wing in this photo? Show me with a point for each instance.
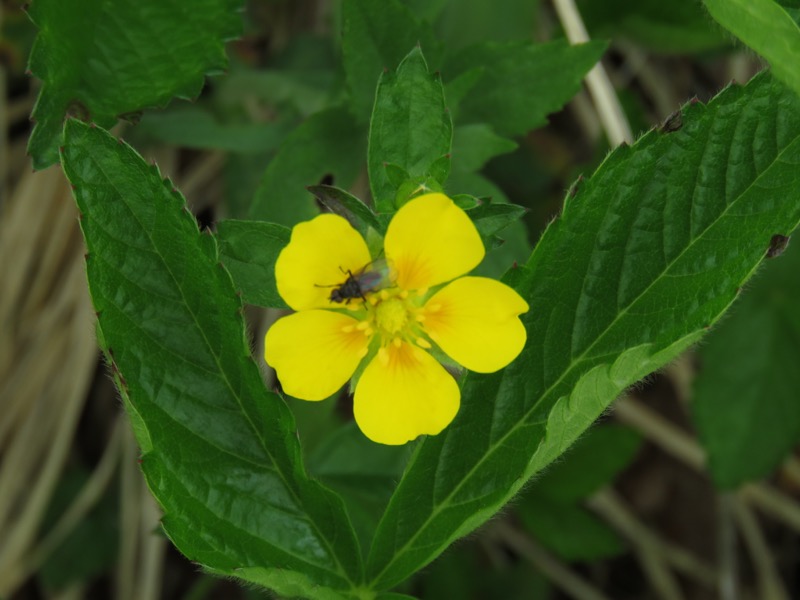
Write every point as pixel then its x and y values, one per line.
pixel 377 275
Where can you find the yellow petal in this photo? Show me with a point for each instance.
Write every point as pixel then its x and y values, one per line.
pixel 316 261
pixel 475 321
pixel 431 240
pixel 314 352
pixel 404 393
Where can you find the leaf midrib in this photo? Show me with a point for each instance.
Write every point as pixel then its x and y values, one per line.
pixel 574 363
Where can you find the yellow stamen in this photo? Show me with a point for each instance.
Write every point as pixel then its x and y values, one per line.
pixel 391 316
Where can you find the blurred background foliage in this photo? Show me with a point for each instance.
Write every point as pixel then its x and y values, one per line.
pixel 687 489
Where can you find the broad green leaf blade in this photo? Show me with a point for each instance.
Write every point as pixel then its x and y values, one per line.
pixel 220 452
pixel 521 83
pixel 766 27
pixel 375 38
pixel 249 249
pixel 330 143
pixel 100 60
pixel 410 127
pixel 746 406
pixel 648 254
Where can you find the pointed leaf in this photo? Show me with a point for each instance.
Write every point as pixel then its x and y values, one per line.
pixel 220 452
pixel 100 60
pixel 650 252
pixel 410 127
pixel 521 83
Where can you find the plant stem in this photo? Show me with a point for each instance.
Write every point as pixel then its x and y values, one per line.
pixel 609 109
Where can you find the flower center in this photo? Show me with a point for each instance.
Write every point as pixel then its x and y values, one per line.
pixel 391 315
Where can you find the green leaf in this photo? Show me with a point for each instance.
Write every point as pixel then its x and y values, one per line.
pixel 521 83
pixel 100 60
pixel 328 144
pixel 410 127
pixel 249 249
pixel 767 28
pixel 220 453
pixel 474 145
pixel 194 127
pixel 679 26
pixel 376 36
pixel 745 406
pixel 568 530
pixel 651 251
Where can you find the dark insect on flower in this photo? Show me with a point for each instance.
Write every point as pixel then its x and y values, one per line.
pixel 371 278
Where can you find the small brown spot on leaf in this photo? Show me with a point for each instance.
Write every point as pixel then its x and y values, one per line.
pixel 673 122
pixel 777 245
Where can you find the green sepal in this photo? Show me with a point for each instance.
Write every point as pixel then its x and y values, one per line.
pixel 344 204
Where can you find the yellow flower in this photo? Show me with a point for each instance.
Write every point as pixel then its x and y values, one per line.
pixel 402 391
